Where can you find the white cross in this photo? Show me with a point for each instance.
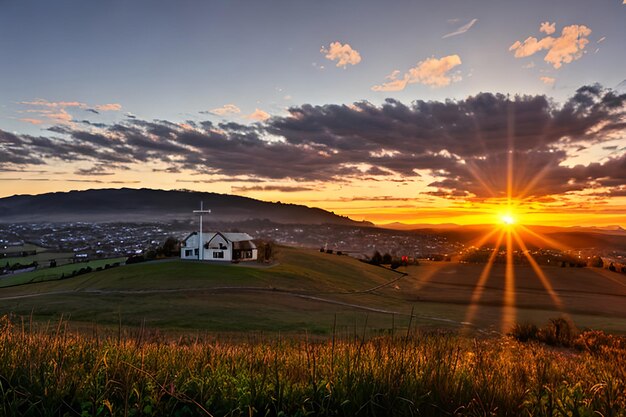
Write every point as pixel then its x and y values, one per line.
pixel 200 244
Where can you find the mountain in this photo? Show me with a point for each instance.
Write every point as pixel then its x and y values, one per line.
pixel 146 205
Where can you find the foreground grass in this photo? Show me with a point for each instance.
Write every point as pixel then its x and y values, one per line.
pixel 60 373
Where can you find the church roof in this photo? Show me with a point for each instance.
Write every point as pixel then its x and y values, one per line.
pixel 232 237
pixel 237 237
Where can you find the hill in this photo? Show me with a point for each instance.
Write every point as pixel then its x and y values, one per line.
pixel 107 205
pixel 309 290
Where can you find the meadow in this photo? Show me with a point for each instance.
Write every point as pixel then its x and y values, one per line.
pixel 42 256
pixel 54 371
pixel 311 334
pixel 53 274
pixel 305 290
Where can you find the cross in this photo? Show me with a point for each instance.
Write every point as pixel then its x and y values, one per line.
pixel 200 245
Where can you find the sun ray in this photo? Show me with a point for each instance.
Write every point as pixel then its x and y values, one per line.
pixel 533 181
pixel 608 275
pixel 542 277
pixel 474 172
pixel 509 311
pixel 511 147
pixel 425 278
pixel 482 240
pixel 552 242
pixel 482 280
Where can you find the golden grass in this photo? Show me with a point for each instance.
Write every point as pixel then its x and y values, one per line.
pixel 57 372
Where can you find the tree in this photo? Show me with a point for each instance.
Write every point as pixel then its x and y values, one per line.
pixel 171 247
pixel 377 258
pixel 596 262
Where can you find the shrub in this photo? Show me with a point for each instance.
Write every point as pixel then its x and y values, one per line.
pixel 558 332
pixel 596 340
pixel 524 332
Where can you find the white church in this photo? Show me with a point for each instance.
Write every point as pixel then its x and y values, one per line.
pixel 218 246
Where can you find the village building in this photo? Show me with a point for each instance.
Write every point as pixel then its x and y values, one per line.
pixel 219 246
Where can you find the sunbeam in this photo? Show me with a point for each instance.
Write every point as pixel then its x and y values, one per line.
pixel 481 241
pixel 482 280
pixel 509 312
pixel 542 277
pixel 545 239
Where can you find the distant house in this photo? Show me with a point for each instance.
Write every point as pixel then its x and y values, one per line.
pixel 219 246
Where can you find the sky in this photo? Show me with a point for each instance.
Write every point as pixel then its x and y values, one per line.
pixel 397 111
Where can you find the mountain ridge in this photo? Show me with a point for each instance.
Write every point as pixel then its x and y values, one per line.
pixel 144 204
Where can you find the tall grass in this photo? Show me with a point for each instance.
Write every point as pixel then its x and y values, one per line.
pixel 56 372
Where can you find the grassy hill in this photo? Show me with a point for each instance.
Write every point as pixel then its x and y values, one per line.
pixel 309 290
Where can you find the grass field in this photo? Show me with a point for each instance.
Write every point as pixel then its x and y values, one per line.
pixel 42 258
pixel 51 274
pixel 308 290
pixel 56 372
pixel 313 334
pixel 25 246
pixel 43 255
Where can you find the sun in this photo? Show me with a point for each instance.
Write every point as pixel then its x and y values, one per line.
pixel 507 219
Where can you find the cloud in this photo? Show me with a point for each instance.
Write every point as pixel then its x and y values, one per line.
pixel 547 80
pixel 281 188
pixel 561 50
pixel 225 110
pixel 108 107
pixel 432 71
pixel 31 120
pixel 547 28
pixel 55 112
pixel 259 115
pixel 344 54
pixel 94 170
pixel 461 144
pixel 461 30
pixel 40 102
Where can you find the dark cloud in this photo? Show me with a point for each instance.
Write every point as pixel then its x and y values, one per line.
pixel 466 145
pixel 281 188
pixel 94 170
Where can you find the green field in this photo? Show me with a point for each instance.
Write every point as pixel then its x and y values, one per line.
pixel 43 255
pixel 51 274
pixel 25 246
pixel 312 291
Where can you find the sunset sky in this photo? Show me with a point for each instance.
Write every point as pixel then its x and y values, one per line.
pixel 395 111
